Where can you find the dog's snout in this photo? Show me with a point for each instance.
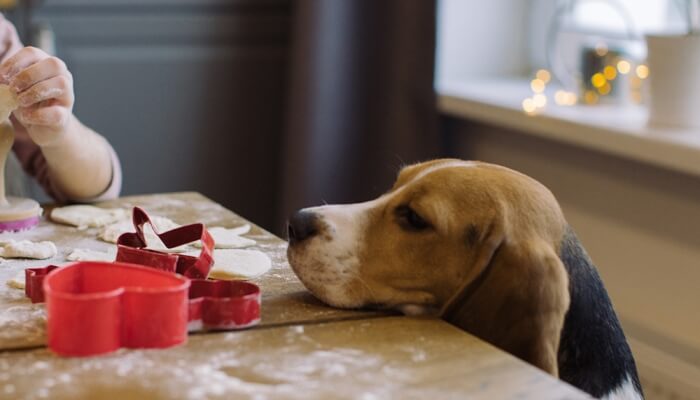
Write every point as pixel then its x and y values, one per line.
pixel 302 225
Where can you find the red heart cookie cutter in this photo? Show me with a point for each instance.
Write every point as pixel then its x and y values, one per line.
pixel 98 307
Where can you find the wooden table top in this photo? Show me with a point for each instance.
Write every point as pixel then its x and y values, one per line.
pixel 301 349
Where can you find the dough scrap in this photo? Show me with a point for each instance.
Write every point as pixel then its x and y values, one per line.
pixel 84 216
pixel 111 233
pixel 17 282
pixel 225 238
pixel 232 264
pixel 91 255
pixel 28 249
pixel 8 102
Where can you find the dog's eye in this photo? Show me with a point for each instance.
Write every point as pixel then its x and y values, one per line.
pixel 409 219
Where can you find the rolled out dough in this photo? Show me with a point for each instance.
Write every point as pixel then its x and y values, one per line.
pixel 27 249
pixel 91 255
pixel 237 264
pixel 225 238
pixel 84 216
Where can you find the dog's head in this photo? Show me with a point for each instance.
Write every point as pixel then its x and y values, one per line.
pixel 449 236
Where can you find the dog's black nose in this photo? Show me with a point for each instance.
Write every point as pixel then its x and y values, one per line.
pixel 301 226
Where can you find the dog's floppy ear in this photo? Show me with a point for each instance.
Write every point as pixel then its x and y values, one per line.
pixel 517 299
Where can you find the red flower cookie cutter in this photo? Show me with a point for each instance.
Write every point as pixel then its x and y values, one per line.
pixel 131 248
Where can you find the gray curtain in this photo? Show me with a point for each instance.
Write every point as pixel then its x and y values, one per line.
pixel 361 100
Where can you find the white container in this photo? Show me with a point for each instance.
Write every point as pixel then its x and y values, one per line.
pixel 674 73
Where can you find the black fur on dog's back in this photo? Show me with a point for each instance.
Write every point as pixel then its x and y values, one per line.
pixel 593 352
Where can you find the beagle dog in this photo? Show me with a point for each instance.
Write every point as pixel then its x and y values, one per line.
pixel 484 247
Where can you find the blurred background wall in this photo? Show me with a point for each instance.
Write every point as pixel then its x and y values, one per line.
pixel 265 106
pixel 191 93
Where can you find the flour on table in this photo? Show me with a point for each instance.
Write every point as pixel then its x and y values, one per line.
pixel 111 233
pixel 91 255
pixel 84 216
pixel 17 282
pixel 27 249
pixel 225 238
pixel 237 263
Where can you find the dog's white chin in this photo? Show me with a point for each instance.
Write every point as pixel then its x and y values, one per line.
pixel 326 280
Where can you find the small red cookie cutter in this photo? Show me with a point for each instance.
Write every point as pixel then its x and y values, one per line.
pixel 131 248
pixel 98 307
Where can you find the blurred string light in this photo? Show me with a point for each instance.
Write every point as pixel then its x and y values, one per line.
pixel 539 99
pixel 602 83
pixel 624 67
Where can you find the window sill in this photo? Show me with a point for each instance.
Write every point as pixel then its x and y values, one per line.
pixel 613 129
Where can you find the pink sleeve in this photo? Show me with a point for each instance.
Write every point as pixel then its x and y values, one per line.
pixel 34 163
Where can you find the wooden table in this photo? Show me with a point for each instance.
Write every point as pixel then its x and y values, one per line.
pixel 301 349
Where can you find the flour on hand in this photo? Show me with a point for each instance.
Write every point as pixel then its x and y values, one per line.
pixel 84 216
pixel 225 238
pixel 91 255
pixel 28 249
pixel 237 264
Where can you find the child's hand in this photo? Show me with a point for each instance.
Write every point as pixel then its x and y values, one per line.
pixel 44 90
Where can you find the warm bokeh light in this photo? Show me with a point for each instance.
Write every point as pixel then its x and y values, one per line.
pixel 598 80
pixel 642 71
pixel 636 96
pixel 564 98
pixel 590 97
pixel 560 97
pixel 537 85
pixel 601 49
pixel 605 89
pixel 635 82
pixel 624 66
pixel 543 75
pixel 609 72
pixel 529 105
pixel 540 100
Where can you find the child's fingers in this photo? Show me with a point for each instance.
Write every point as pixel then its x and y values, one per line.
pixel 59 88
pixel 21 60
pixel 49 116
pixel 41 70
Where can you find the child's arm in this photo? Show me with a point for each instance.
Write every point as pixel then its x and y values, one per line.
pixel 71 161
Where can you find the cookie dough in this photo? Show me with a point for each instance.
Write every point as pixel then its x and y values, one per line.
pixel 237 264
pixel 8 102
pixel 84 216
pixel 91 255
pixel 28 249
pixel 17 282
pixel 225 238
